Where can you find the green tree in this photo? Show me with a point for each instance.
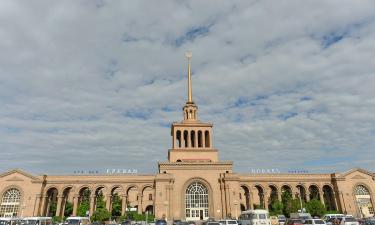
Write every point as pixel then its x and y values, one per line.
pixel 276 208
pixel 290 205
pixel 315 208
pixel 116 205
pixel 101 213
pixel 84 205
pixel 68 209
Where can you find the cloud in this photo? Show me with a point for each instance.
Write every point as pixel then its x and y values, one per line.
pixel 96 84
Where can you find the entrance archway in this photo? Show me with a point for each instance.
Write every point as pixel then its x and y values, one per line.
pixel 196 205
pixel 364 201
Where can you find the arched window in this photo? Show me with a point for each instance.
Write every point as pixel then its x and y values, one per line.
pixel 186 138
pixel 364 201
pixel 10 203
pixel 196 202
pixel 207 139
pixel 200 144
pixel 361 190
pixel 192 137
pixel 178 138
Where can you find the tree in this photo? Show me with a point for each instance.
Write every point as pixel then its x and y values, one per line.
pixel 101 213
pixel 290 205
pixel 116 205
pixel 84 205
pixel 68 209
pixel 315 207
pixel 276 208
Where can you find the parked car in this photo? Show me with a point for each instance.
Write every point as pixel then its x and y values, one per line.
pixel 211 223
pixel 333 221
pixel 161 222
pixel 182 223
pixel 349 221
pixel 228 222
pixel 369 221
pixel 175 222
pixel 191 222
pixel 126 222
pixel 293 222
pixel 281 219
pixel 314 222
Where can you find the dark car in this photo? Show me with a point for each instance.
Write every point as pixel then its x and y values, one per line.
pixel 370 221
pixel 161 222
pixel 126 222
pixel 182 223
pixel 294 222
pixel 192 223
pixel 175 222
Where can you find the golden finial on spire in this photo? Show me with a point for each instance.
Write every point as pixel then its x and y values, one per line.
pixel 189 55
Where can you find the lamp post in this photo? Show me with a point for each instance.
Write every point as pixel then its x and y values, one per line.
pixel 236 203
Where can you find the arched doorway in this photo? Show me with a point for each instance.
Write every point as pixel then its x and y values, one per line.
pixel 329 198
pixel 364 201
pixel 258 197
pixel 196 205
pixel 10 203
pixel 314 192
pixel 51 202
pixel 244 196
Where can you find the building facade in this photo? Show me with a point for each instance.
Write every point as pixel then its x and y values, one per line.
pixel 192 184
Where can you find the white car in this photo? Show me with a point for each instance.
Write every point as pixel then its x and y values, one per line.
pixel 228 222
pixel 314 222
pixel 349 221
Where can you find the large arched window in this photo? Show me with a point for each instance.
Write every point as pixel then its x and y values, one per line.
pixel 196 202
pixel 364 201
pixel 10 203
pixel 361 190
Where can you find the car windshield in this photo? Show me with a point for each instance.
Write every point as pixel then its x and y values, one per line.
pixel 350 219
pixel 161 221
pixel 262 216
pixel 73 221
pixel 319 222
pixel 29 222
pixel 213 223
pixel 232 222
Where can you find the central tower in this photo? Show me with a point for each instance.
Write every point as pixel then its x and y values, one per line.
pixel 191 138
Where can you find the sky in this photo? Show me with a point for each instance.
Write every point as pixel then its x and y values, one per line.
pixel 92 85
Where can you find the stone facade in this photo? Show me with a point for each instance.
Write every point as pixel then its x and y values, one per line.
pixel 192 184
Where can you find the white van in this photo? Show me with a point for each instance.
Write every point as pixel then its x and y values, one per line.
pixel 76 220
pixel 254 217
pixel 300 215
pixel 37 221
pixel 10 221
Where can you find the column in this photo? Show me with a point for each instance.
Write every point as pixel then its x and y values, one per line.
pixel 37 205
pixel 43 206
pixel 251 200
pixel 196 138
pixel 75 204
pixel 203 139
pixel 321 197
pixel 92 204
pixel 58 207
pixel 223 208
pixel 140 203
pixel 108 202
pixel 189 139
pixel 279 194
pixel 265 198
pixel 123 204
pixel 48 199
pixel 227 197
pixel 307 195
pixel 63 206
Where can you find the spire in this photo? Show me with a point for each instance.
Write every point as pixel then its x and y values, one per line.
pixel 189 55
pixel 190 109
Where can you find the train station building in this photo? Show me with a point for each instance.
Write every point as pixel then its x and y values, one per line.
pixel 192 184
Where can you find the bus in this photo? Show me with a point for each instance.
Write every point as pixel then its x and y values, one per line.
pixel 254 217
pixel 37 221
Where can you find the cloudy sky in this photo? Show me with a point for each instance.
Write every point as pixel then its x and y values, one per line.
pixel 91 85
